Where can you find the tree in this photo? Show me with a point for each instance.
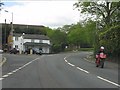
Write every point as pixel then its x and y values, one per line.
pixel 90 29
pixel 102 9
pixel 111 40
pixel 58 39
pixel 108 14
pixel 75 36
pixel 66 28
pixel 5 32
pixel 80 35
pixel 1 5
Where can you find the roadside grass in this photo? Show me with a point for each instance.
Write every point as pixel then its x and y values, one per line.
pixel 91 57
pixel 86 49
pixel 80 49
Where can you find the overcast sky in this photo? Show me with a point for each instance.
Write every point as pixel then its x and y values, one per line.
pixel 52 13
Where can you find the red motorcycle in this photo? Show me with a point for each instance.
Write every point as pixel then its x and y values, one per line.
pixel 100 58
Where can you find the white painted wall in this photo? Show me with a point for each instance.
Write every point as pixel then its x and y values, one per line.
pixel 21 41
pixel 46 41
pixel 27 40
pixel 24 41
pixel 36 41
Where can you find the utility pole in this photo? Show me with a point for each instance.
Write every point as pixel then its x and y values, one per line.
pixel 11 32
pixel 1 4
pixel 5 33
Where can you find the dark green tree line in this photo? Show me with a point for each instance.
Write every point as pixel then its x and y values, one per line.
pixel 107 23
pixel 58 39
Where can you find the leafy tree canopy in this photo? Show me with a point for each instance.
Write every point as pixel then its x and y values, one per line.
pixel 103 10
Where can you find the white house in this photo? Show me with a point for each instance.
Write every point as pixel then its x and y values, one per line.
pixel 26 41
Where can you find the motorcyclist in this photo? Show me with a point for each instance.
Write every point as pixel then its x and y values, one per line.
pixel 102 50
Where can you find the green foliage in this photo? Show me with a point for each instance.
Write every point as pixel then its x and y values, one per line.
pixel 74 34
pixel 108 14
pixel 86 4
pixel 5 32
pixel 111 40
pixel 82 36
pixel 90 28
pixel 56 48
pixel 86 49
pixel 58 40
pixel 105 9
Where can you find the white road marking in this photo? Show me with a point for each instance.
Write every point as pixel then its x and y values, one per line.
pixel 35 59
pixel 108 81
pixel 89 72
pixel 14 71
pixel 79 68
pixel 1 78
pixel 74 65
pixel 26 64
pixel 66 61
pixel 23 66
pixel 18 69
pixel 82 69
pixel 65 58
pixel 3 62
pixel 10 73
pixel 5 76
pixel 71 64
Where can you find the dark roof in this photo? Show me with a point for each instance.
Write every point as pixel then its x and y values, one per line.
pixel 37 44
pixel 32 36
pixel 23 25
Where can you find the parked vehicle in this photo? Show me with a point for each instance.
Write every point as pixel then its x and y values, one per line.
pixel 37 51
pixel 27 51
pixel 100 59
pixel 14 51
pixel 1 51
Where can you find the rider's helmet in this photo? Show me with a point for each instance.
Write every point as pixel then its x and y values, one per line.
pixel 102 48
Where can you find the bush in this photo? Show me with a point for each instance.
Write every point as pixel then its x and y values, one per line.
pixel 56 48
pixel 86 49
pixel 111 40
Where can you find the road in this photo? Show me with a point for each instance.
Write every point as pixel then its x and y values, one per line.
pixel 66 70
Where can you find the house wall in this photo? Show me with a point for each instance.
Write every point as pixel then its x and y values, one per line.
pixel 18 42
pixel 21 41
pixel 36 41
pixel 46 41
pixel 27 40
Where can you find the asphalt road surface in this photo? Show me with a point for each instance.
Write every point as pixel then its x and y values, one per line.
pixel 66 70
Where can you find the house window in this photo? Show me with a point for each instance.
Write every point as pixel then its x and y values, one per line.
pixel 32 40
pixel 40 41
pixel 16 38
pixel 16 46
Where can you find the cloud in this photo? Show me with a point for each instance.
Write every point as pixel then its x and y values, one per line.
pixel 48 13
